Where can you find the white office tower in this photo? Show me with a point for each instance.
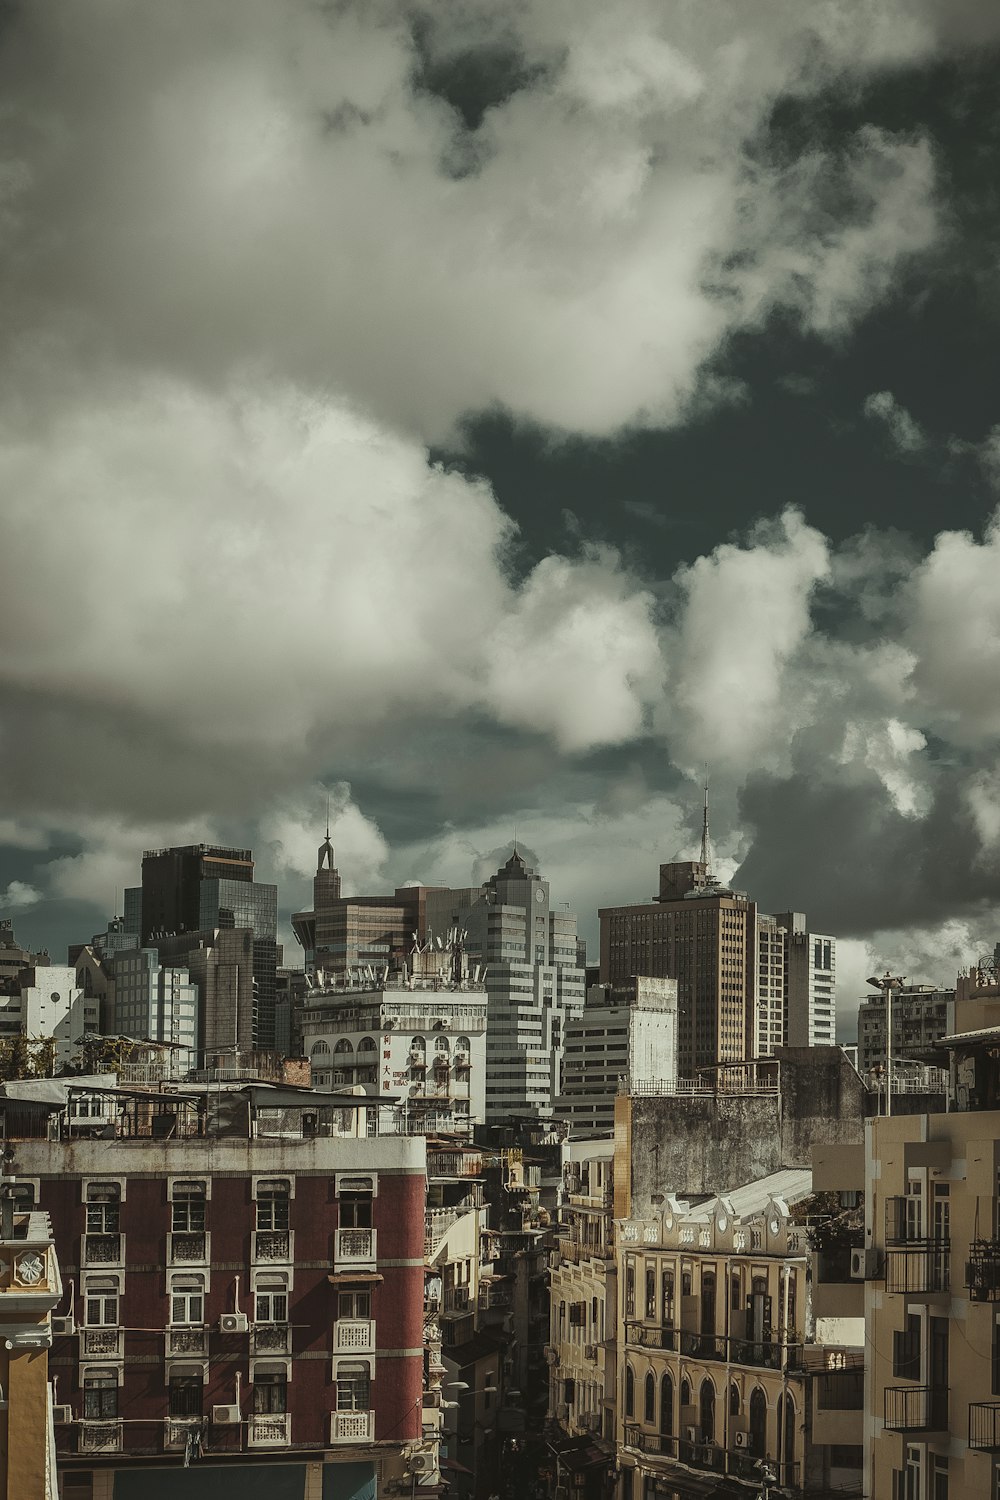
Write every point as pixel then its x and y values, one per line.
pixel 533 982
pixel 811 963
pixel 416 1039
pixel 159 1003
pixel 626 1039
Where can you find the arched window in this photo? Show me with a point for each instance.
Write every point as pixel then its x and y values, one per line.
pixel 758 1424
pixel 319 1049
pixel 666 1404
pixel 788 1436
pixel 442 1046
pixel 707 1411
pixel 343 1045
pixel 367 1044
pixel 685 1392
pixel 649 1402
pixel 734 1400
pixel 462 1044
pixel 629 1392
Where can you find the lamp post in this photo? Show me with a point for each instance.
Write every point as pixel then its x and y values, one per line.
pixel 887 983
pixel 767 1478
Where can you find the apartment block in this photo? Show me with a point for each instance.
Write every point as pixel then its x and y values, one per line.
pixel 626 1038
pixel 921 1015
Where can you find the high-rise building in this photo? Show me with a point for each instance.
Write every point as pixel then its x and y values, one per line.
pixel 533 980
pixel 747 982
pixel 198 889
pixel 921 1014
pixel 625 1040
pixel 46 1005
pixel 157 1002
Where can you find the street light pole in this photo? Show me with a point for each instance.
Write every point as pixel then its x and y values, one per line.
pixel 887 983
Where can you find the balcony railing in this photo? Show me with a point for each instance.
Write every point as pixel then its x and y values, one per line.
pixel 188 1249
pixel 352 1426
pixel 984 1426
pixel 271 1338
pixel 102 1250
pixel 187 1341
pixel 271 1431
pixel 354 1333
pixel 982 1271
pixel 100 1437
pixel 273 1245
pixel 355 1246
pixel 177 1430
pixel 916 1408
pixel 919 1268
pixel 661 1444
pixel 645 1336
pixel 904 1225
pixel 100 1343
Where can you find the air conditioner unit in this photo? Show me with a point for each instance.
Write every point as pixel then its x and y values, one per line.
pixel 225 1416
pixel 61 1415
pixel 63 1327
pixel 236 1322
pixel 420 1463
pixel 866 1265
pixel 691 1434
pixel 740 1439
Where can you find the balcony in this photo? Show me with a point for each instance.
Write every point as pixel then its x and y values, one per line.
pixel 703 1346
pixel 660 1444
pixel 103 1250
pixel 188 1249
pixel 982 1271
pixel 916 1408
pixel 647 1337
pixel 354 1333
pixel 274 1245
pixel 100 1437
pixel 176 1430
pixel 101 1343
pixel 271 1431
pixel 270 1338
pixel 352 1426
pixel 984 1426
pixel 920 1268
pixel 187 1341
pixel 355 1247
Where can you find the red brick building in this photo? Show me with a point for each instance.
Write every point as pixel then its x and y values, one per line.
pixel 247 1304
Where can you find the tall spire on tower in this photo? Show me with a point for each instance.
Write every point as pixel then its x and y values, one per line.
pixel 707 853
pixel 325 855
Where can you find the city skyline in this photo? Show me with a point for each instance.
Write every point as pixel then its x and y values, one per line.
pixel 493 420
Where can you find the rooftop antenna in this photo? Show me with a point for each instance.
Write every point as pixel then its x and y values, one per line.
pixel 328 813
pixel 707 855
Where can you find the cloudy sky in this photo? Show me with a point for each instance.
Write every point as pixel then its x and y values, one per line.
pixel 494 415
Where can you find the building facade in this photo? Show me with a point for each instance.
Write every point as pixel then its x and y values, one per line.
pixel 921 1015
pixel 45 1005
pixel 242 1296
pixel 157 1002
pixel 625 1037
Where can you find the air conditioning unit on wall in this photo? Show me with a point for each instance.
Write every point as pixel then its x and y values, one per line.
pixel 237 1322
pixel 739 1439
pixel 225 1416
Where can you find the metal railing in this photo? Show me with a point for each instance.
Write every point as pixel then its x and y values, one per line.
pixel 352 1426
pixel 919 1268
pixel 916 1408
pixel 355 1246
pixel 187 1341
pixel 982 1271
pixel 100 1343
pixel 272 1245
pixel 102 1249
pixel 271 1338
pixel 273 1430
pixel 190 1249
pixel 984 1426
pixel 100 1437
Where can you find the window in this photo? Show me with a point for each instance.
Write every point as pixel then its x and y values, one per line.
pixel 101 1301
pixel 355 1207
pixel 685 1392
pixel 187 1299
pixel 666 1404
pixel 270 1393
pixel 271 1302
pixel 103 1207
pixel 100 1395
pixel 649 1400
pixel 650 1292
pixel 354 1305
pixel 272 1205
pixel 667 1309
pixel 353 1385
pixel 188 1208
pixel 629 1391
pixel 630 1289
pixel 186 1395
pixel 906 1350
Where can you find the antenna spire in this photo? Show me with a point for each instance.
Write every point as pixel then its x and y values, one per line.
pixel 707 853
pixel 328 814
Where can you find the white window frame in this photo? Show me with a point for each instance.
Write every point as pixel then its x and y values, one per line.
pixel 92 1293
pixel 262 1290
pixel 102 1180
pixel 355 1182
pixel 176 1291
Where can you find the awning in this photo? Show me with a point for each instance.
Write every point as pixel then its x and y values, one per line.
pixel 336 1278
pixel 454 1465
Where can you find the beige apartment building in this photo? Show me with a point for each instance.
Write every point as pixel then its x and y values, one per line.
pixel 580 1352
pixel 932 1275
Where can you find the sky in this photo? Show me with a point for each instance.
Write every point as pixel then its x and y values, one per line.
pixel 499 417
